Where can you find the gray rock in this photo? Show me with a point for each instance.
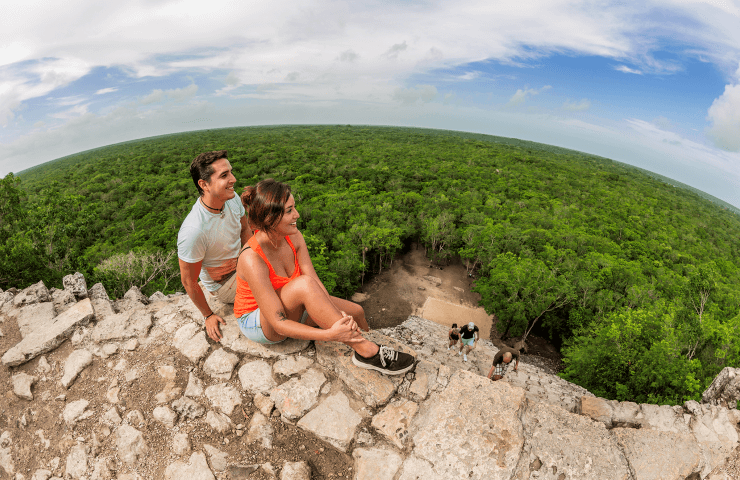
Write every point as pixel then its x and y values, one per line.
pixel 168 393
pixel 415 468
pixel 136 418
pixel 181 443
pixel 724 389
pixel 295 397
pixel 471 429
pixel 333 421
pixel 626 414
pixel 291 365
pixel 218 421
pixel 188 408
pixel 36 316
pixel 194 387
pixel 36 293
pixel 195 469
pixel 134 295
pixel 263 403
pixel 98 292
pixel 394 420
pixel 190 340
pixel 658 455
pixel 42 341
pixel 103 309
pixel 75 284
pixel 165 416
pixel 220 364
pixel 122 326
pixel 111 418
pixel 217 457
pixel 716 434
pixel 597 409
pixel 75 411
pixel 376 463
pixel 157 297
pixel 662 418
pixel 62 300
pixel 77 459
pixel 131 445
pixel 224 397
pixel 562 443
pixel 260 430
pixel 41 474
pixel 103 469
pixel 75 363
pixel 295 471
pixel 22 383
pixel 256 377
pixel 425 381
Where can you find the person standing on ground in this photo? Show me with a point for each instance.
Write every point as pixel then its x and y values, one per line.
pixel 501 362
pixel 210 237
pixel 453 336
pixel 469 339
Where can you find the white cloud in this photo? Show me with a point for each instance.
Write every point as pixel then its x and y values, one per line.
pixel 725 117
pixel 154 97
pixel 176 94
pixel 626 69
pixel 395 50
pixel 420 93
pixel 581 106
pixel 522 95
pixel 103 91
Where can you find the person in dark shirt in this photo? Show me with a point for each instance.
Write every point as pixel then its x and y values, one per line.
pixel 453 335
pixel 501 362
pixel 469 339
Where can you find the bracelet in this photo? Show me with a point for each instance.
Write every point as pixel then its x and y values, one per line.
pixel 209 316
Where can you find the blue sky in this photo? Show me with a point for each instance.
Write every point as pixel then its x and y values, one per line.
pixel 655 84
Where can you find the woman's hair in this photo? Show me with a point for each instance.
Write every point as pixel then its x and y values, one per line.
pixel 265 203
pixel 454 325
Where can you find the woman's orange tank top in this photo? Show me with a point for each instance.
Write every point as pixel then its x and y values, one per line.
pixel 244 301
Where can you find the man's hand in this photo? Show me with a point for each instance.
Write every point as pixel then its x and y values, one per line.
pixel 212 328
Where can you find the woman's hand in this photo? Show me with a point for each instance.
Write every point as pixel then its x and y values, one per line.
pixel 345 330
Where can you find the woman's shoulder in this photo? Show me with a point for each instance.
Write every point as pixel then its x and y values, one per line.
pixel 297 240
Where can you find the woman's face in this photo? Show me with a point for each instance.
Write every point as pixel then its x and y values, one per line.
pixel 287 224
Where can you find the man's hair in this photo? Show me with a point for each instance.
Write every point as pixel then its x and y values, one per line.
pixel 265 203
pixel 201 169
pixel 507 356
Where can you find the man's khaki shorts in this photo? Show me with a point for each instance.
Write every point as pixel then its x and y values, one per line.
pixel 227 292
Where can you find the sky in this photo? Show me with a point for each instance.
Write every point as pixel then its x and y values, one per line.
pixel 655 84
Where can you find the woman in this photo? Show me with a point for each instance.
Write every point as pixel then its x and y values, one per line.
pixel 279 295
pixel 453 335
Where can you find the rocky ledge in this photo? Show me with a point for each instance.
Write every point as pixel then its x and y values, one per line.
pixel 140 392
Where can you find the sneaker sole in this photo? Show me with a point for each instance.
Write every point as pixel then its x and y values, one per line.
pixel 382 370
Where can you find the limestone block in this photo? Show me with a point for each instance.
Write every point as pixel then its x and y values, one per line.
pixel 394 420
pixel 263 403
pixel 134 295
pixel 98 292
pixel 218 421
pixel 194 387
pixel 122 326
pixel 560 445
pixel 111 418
pixel 658 455
pixel 220 364
pixel 415 468
pixel 62 300
pixel 181 443
pixel 716 434
pixel 260 430
pixel 130 444
pixel 22 383
pixel 157 297
pixel 333 421
pixel 75 363
pixel 36 293
pixel 188 408
pixel 426 378
pixel 597 409
pixel 165 416
pixel 471 429
pixel 376 463
pixel 662 418
pixel 235 341
pixel 195 469
pixel 103 309
pixel 217 457
pixel 256 377
pixel 626 414
pixel 42 341
pixel 36 316
pixel 190 340
pixel 291 365
pixel 296 396
pixel 224 397
pixel 77 460
pixel 724 389
pixel 75 284
pixel 75 411
pixel 295 471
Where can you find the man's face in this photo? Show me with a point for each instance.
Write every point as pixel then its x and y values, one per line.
pixel 222 181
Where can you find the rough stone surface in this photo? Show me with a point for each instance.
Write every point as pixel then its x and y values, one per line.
pixel 264 404
pixel 97 292
pixel 36 316
pixel 333 421
pixel 658 455
pixel 77 459
pixel 724 389
pixel 22 383
pixel 237 342
pixel 194 387
pixel 218 421
pixel 62 300
pixel 295 471
pixel 217 457
pixel 394 420
pixel 296 396
pixel 224 397
pixel 130 444
pixel 122 326
pixel 256 377
pixel 75 363
pixel 36 293
pixel 425 381
pixel 188 408
pixel 195 469
pixel 562 443
pixel 291 365
pixel 42 341
pixel 260 430
pixel 717 435
pixel 376 463
pixel 597 409
pixel 471 429
pixel 191 341
pixel 165 415
pixel 75 284
pixel 220 364
pixel 74 411
pixel 181 443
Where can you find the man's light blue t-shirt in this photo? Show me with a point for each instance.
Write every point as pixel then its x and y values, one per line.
pixel 212 238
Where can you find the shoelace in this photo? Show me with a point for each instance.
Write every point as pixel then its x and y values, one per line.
pixel 388 353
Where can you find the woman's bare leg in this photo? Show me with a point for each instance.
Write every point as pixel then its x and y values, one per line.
pixel 305 293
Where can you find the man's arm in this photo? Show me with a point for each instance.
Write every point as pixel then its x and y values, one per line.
pixel 246 232
pixel 189 277
pixel 490 372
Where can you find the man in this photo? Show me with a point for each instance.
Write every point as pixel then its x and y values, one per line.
pixel 468 339
pixel 211 236
pixel 501 362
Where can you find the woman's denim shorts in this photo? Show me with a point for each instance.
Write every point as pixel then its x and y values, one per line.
pixel 249 324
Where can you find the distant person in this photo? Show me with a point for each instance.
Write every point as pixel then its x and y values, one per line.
pixel 453 336
pixel 210 237
pixel 279 295
pixel 501 362
pixel 469 339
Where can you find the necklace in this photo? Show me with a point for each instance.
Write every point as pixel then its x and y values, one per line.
pixel 221 211
pixel 274 244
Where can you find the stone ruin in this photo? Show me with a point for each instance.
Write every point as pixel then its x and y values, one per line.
pixel 445 420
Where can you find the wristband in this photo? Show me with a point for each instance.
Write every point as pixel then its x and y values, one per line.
pixel 209 316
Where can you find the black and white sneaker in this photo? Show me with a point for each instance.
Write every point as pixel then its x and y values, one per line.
pixel 386 361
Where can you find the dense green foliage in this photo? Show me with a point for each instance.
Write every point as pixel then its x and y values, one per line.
pixel 638 281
